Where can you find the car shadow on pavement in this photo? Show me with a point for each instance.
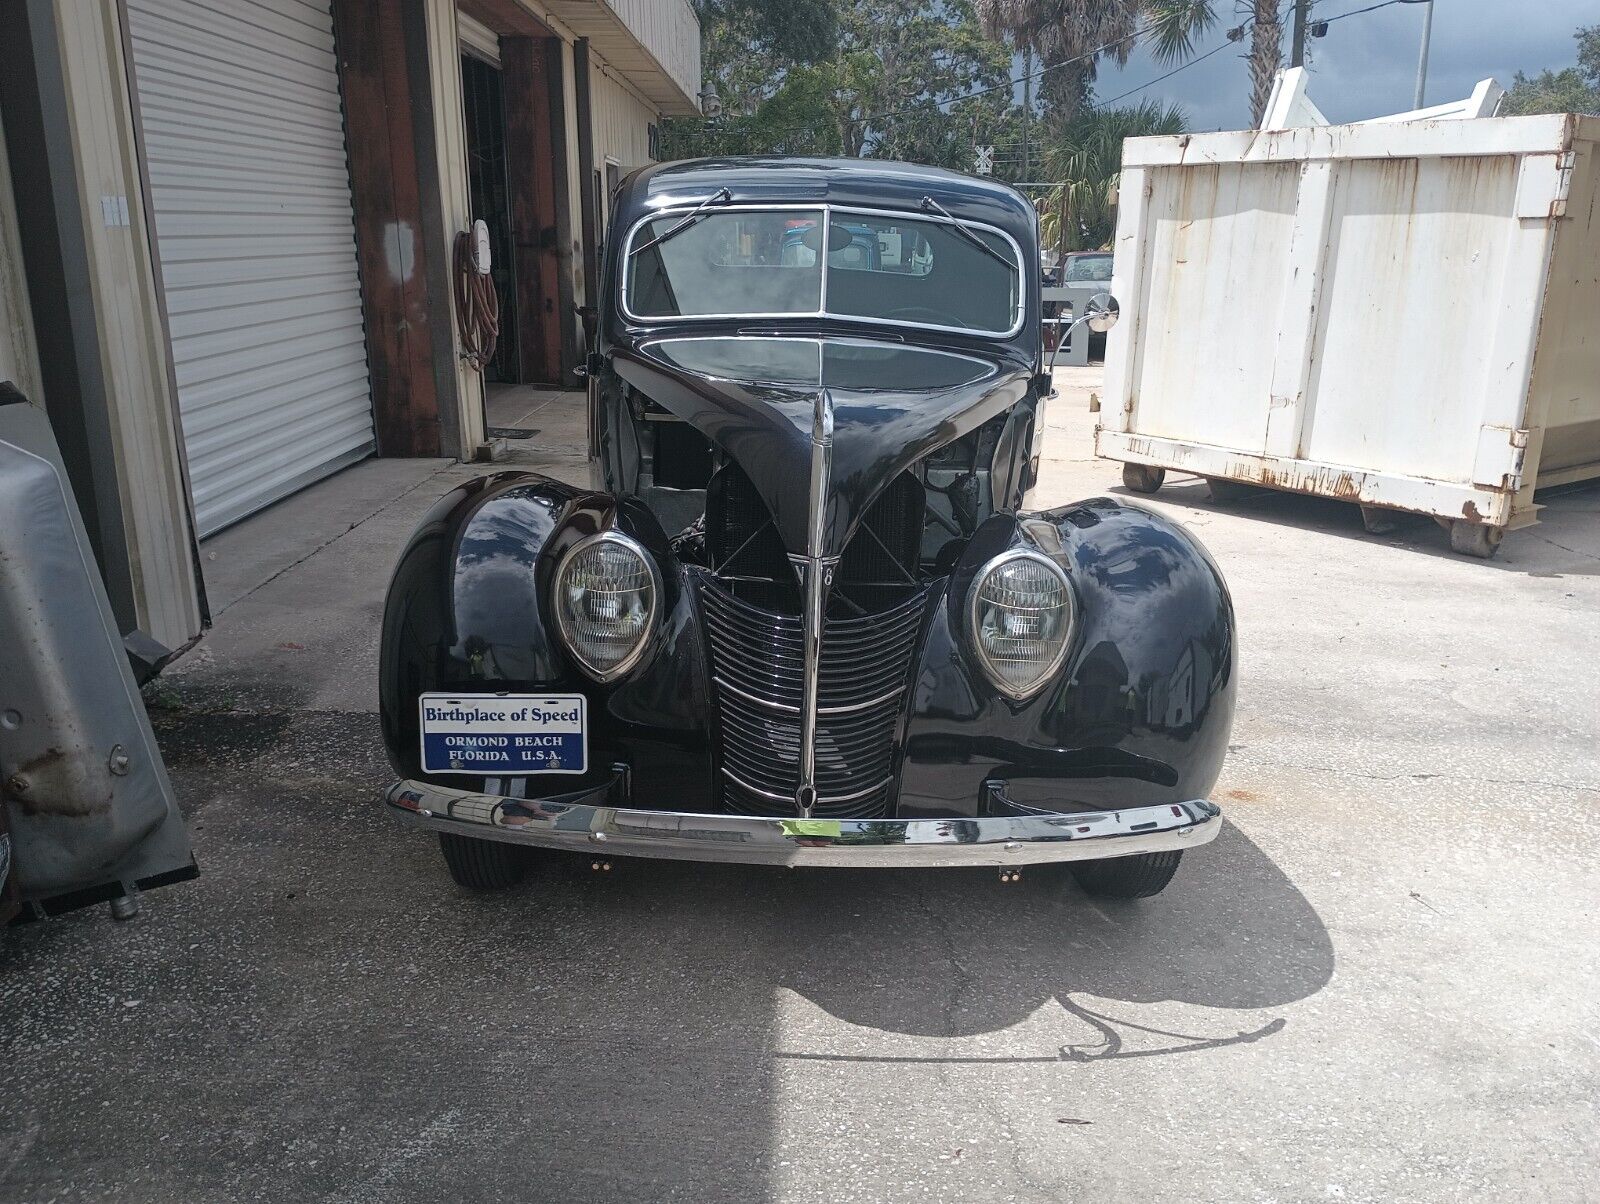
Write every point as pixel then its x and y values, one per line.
pixel 324 1015
pixel 956 953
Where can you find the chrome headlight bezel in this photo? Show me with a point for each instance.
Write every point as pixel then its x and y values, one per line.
pixel 974 633
pixel 558 605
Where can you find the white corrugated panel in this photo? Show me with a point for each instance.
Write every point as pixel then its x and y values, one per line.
pixel 244 138
pixel 621 121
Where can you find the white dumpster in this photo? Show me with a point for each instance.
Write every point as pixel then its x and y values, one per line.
pixel 1402 315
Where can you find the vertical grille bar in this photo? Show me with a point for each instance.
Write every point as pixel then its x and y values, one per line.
pixel 756 662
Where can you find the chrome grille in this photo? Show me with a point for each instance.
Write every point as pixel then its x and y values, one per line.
pixel 757 667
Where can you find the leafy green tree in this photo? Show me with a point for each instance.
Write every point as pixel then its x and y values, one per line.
pixel 898 85
pixel 1086 155
pixel 771 78
pixel 800 31
pixel 1071 36
pixel 903 71
pixel 1570 90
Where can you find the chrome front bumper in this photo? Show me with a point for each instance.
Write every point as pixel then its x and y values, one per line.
pixel 588 822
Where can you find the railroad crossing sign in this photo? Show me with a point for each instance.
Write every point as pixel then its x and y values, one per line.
pixel 983 160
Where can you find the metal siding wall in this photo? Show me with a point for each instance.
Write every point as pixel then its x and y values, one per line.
pixel 244 140
pixel 670 31
pixel 621 122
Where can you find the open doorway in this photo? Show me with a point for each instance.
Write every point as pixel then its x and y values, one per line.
pixel 483 99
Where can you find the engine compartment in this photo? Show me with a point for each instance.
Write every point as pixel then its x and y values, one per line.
pixel 911 533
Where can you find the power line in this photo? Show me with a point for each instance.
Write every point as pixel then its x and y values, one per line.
pixel 1371 8
pixel 1101 104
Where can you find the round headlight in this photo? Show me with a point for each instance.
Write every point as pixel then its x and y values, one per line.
pixel 1021 614
pixel 606 595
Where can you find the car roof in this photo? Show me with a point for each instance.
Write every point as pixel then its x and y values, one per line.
pixel 859 183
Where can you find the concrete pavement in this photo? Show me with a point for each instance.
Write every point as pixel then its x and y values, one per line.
pixel 1379 984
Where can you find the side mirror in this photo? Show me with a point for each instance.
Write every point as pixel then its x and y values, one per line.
pixel 1101 312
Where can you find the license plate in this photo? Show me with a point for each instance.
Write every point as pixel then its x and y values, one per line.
pixel 500 734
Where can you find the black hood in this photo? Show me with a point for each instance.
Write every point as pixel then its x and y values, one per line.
pixel 755 397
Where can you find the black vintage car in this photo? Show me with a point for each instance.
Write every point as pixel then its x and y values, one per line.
pixel 809 621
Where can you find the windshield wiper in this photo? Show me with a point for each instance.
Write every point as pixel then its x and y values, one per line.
pixel 718 197
pixel 932 206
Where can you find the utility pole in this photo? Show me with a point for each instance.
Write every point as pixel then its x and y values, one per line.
pixel 1297 48
pixel 1422 60
pixel 1027 103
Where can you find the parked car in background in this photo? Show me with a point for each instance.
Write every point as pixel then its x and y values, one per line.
pixel 808 620
pixel 1083 273
pixel 1086 267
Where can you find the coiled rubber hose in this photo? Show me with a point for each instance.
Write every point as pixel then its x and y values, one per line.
pixel 477 306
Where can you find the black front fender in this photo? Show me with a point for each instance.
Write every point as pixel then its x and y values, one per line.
pixel 1140 711
pixel 467 612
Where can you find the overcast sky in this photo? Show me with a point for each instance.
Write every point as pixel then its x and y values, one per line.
pixel 1367 65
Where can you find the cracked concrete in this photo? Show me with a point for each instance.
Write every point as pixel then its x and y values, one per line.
pixel 1378 984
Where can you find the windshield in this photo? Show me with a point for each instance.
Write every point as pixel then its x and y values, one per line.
pixel 770 263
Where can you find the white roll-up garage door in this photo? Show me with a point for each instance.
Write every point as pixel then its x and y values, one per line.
pixel 244 139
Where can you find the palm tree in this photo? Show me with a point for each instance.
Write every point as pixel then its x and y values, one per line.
pixel 1069 36
pixel 1266 55
pixel 1087 157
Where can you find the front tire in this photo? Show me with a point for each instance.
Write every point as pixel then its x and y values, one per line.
pixel 482 864
pixel 1135 877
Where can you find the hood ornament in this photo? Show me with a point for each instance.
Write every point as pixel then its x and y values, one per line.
pixel 816 578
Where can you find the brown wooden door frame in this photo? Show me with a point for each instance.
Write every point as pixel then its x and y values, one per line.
pixel 541 218
pixel 402 250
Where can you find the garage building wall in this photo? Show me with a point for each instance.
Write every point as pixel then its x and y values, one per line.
pixel 622 121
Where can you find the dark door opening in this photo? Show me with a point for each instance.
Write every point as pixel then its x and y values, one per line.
pixel 483 98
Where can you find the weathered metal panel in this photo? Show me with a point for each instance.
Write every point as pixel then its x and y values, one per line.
pixel 1567 364
pixel 244 142
pixel 1222 265
pixel 81 778
pixel 1359 311
pixel 1398 375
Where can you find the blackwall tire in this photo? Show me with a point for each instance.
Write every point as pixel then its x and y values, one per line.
pixel 483 864
pixel 1143 478
pixel 1135 877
